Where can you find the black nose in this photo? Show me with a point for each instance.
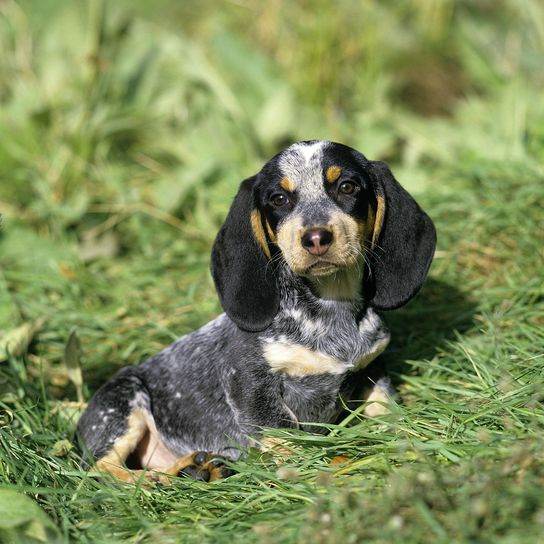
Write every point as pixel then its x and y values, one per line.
pixel 317 241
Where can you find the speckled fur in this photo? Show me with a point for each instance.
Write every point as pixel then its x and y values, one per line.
pixel 213 390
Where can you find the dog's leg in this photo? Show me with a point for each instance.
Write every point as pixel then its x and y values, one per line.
pixel 200 465
pixel 371 386
pixel 114 460
pixel 114 425
pixel 118 428
pixel 378 396
pixel 375 335
pixel 377 391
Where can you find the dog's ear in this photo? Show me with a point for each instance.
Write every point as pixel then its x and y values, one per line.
pixel 241 268
pixel 403 242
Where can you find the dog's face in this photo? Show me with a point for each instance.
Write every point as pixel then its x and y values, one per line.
pixel 326 211
pixel 316 207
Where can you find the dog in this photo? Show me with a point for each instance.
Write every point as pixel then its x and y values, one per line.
pixel 313 246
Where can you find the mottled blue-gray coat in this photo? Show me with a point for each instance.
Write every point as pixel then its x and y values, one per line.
pixel 313 245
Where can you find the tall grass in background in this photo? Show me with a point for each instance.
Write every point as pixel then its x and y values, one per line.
pixel 125 129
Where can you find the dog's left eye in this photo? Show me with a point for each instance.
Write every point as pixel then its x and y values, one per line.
pixel 279 200
pixel 347 187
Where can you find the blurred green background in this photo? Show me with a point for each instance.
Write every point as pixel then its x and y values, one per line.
pixel 125 129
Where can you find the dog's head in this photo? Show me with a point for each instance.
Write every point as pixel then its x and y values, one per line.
pixel 331 215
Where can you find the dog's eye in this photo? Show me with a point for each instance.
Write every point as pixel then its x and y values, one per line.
pixel 347 187
pixel 279 200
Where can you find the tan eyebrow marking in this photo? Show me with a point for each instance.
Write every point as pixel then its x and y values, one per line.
pixel 287 185
pixel 333 173
pixel 258 231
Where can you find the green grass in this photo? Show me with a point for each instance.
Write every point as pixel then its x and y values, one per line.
pixel 123 136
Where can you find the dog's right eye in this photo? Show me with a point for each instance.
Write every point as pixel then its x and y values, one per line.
pixel 347 187
pixel 279 200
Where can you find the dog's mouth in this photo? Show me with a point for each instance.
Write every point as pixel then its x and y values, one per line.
pixel 321 268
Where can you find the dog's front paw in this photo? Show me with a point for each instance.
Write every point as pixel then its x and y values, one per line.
pixel 201 465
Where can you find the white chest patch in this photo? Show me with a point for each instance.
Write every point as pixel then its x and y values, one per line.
pixel 299 361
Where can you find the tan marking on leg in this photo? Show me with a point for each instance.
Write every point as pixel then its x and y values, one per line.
pixel 377 402
pixel 123 474
pixel 258 231
pixel 161 476
pixel 216 472
pixel 127 443
pixel 147 477
pixel 112 463
pixel 177 467
pixel 333 173
pixel 287 185
pixel 142 436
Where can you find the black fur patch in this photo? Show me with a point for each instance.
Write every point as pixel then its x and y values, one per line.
pixel 406 244
pixel 244 277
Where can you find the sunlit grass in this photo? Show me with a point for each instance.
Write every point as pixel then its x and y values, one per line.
pixel 122 141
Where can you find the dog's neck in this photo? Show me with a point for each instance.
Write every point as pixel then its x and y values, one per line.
pixel 339 292
pixel 329 326
pixel 342 286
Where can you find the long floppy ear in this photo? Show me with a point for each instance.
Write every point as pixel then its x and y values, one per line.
pixel 241 269
pixel 403 240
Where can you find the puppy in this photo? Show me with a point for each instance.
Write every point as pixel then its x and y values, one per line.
pixel 313 244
